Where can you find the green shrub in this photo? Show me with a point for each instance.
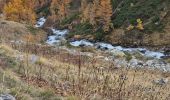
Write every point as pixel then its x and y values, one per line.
pixel 44 10
pixel 46 95
pixel 128 56
pixel 154 27
pixel 81 29
pixel 99 35
pixel 69 19
pixel 145 9
pixel 32 30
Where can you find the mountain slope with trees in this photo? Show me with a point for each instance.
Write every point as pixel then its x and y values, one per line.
pixel 143 22
pixel 136 19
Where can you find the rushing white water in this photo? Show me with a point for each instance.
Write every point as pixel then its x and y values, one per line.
pixel 81 43
pixel 107 46
pixel 59 36
pixel 40 22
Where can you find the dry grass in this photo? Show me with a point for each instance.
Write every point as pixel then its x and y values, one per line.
pixel 58 75
pixel 82 78
pixel 13 31
pixel 155 39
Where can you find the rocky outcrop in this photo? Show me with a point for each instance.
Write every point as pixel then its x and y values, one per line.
pixel 6 97
pixel 161 81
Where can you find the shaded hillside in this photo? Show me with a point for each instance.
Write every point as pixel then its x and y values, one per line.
pixel 155 17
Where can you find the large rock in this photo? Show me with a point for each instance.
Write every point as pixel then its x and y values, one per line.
pixel 6 97
pixel 34 59
pixel 120 63
pixel 136 63
pixel 157 64
pixel 161 81
pixel 117 53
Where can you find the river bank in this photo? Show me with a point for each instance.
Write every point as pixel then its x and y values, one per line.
pixel 122 56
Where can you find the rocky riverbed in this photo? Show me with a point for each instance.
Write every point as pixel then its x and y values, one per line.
pixel 121 56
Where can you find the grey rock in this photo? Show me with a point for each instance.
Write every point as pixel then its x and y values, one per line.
pixel 110 58
pixel 133 62
pixel 117 53
pixel 120 62
pixel 136 63
pixel 62 41
pixel 6 97
pixel 157 64
pixel 161 81
pixel 34 59
pixel 20 57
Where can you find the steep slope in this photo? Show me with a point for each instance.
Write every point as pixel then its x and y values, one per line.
pixel 123 27
pixel 154 16
pixel 30 69
pixel 33 71
pixel 44 76
pixel 13 31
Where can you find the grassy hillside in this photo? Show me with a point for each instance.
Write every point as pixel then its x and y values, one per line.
pixel 33 71
pixel 13 31
pixel 41 75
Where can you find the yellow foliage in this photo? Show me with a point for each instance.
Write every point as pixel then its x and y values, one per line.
pixel 60 9
pixel 139 20
pixel 98 13
pixel 140 24
pixel 19 10
pixel 130 27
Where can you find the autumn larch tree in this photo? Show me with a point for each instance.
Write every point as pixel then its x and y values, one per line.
pixel 60 9
pixel 20 10
pixel 105 14
pixel 85 9
pixel 98 13
pixel 89 12
pixel 2 4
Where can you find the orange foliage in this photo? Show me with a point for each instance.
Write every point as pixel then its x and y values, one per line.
pixel 106 13
pixel 98 13
pixel 60 9
pixel 130 27
pixel 2 4
pixel 20 10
